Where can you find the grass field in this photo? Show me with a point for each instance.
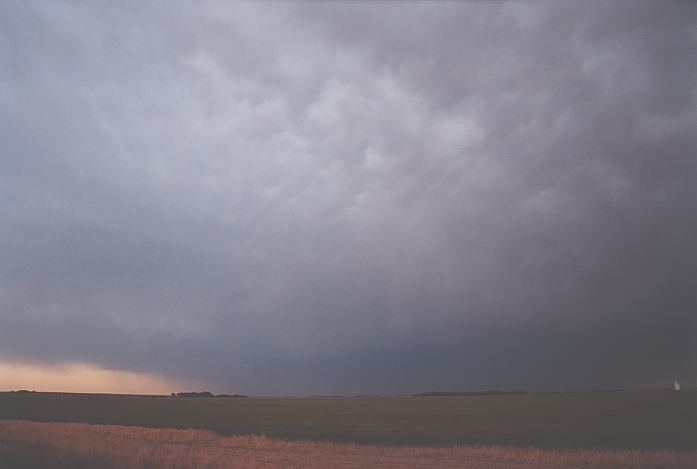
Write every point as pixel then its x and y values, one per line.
pixel 26 445
pixel 629 420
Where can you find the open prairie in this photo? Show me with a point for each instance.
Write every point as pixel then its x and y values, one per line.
pixel 33 445
pixel 653 420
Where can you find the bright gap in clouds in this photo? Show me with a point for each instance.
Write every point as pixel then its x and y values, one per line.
pixel 82 377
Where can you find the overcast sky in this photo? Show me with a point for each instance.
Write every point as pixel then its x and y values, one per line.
pixel 351 198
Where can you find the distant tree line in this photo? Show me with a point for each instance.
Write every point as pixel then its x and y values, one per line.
pixel 469 393
pixel 204 394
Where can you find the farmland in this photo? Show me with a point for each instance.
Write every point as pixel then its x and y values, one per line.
pixel 25 445
pixel 652 420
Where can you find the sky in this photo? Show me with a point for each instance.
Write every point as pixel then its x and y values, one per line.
pixel 336 198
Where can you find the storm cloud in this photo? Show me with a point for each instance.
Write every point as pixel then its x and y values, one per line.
pixel 352 197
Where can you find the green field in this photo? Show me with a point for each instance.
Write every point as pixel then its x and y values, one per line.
pixel 626 419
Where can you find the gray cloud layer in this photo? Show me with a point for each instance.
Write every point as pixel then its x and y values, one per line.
pixel 352 197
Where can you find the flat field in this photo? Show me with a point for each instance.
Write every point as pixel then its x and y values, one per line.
pixel 651 420
pixel 25 445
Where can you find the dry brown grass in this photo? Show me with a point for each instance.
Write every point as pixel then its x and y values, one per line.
pixel 26 444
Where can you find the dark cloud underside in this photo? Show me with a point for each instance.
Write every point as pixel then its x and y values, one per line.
pixel 352 197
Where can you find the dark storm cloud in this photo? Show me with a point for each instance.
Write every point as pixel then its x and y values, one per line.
pixel 352 197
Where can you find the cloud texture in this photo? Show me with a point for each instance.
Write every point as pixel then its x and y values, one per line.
pixel 309 198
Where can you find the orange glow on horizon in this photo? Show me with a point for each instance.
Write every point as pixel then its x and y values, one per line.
pixel 82 377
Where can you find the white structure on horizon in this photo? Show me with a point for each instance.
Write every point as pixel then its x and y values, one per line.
pixel 676 386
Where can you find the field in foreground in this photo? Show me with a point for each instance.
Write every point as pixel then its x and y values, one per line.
pixel 53 445
pixel 612 420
